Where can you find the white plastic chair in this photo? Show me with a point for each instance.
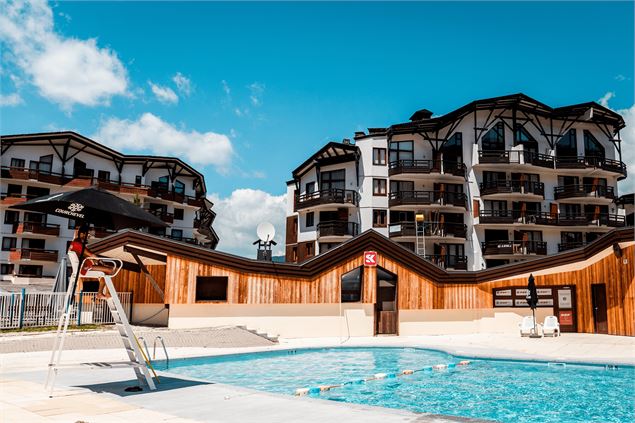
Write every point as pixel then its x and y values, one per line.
pixel 551 326
pixel 526 326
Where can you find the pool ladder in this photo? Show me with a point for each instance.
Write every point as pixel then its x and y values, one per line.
pixel 154 349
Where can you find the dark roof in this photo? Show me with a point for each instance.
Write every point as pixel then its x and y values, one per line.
pixel 369 240
pixel 331 153
pixel 421 114
pixel 518 101
pixel 107 152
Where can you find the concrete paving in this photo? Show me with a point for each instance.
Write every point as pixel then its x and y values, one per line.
pixel 95 396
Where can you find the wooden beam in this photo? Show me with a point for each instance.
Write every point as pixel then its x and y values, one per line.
pixel 145 271
pixel 144 253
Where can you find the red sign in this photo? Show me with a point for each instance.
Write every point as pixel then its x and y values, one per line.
pixel 566 318
pixel 370 258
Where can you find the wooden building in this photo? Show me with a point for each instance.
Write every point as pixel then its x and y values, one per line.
pixel 371 285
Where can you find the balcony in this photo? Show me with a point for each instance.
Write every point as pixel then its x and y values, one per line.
pixel 492 248
pixel 430 229
pixel 444 167
pixel 32 254
pixel 36 228
pixel 33 174
pixel 192 241
pixel 512 187
pixel 584 191
pixel 337 228
pixel 327 197
pixel 551 219
pixel 425 198
pixel 163 215
pixel 570 246
pixel 593 162
pixel 10 199
pixel 448 262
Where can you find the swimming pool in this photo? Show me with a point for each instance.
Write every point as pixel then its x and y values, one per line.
pixel 504 391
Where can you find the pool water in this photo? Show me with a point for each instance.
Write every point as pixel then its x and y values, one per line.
pixel 504 391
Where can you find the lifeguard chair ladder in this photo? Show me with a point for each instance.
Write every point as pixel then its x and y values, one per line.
pixel 136 358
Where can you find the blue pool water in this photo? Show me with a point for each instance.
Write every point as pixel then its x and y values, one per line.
pixel 504 391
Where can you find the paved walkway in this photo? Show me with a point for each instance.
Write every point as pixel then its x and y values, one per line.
pixel 109 338
pixel 95 396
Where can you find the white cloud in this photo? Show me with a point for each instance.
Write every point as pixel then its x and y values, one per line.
pixel 151 134
pixel 604 100
pixel 226 88
pixel 628 144
pixel 10 100
pixel 66 71
pixel 257 90
pixel 183 83
pixel 164 94
pixel 238 215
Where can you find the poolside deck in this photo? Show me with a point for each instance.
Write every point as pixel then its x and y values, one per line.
pixel 97 395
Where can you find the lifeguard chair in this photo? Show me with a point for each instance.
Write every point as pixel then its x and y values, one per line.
pixel 99 268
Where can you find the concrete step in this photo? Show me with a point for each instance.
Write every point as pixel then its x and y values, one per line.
pixel 272 338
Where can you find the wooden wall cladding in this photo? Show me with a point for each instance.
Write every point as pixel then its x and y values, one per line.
pixel 414 291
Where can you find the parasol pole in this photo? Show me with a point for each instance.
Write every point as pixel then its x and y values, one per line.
pixel 83 229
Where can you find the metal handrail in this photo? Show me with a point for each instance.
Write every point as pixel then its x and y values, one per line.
pixel 145 344
pixel 165 350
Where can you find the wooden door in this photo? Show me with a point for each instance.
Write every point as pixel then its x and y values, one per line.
pixel 598 295
pixel 386 314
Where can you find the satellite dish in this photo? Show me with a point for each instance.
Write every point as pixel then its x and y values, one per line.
pixel 266 232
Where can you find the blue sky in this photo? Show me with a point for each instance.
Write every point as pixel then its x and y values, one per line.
pixel 269 83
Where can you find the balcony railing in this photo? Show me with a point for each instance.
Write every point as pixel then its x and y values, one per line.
pixel 448 262
pixel 551 162
pixel 398 167
pixel 337 228
pixel 554 219
pixel 327 196
pixel 163 215
pixel 33 254
pixel 512 187
pixel 192 241
pixel 585 191
pixel 36 228
pixel 513 247
pixel 430 229
pixel 570 246
pixel 417 198
pixel 9 199
pixel 33 174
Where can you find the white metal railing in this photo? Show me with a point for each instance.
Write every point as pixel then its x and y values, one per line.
pixel 18 310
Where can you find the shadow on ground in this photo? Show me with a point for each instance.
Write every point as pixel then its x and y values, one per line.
pixel 166 384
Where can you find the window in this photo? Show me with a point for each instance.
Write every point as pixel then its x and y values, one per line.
pixel 6 268
pixel 310 188
pixel 310 219
pixel 178 214
pixel 30 270
pixel 335 179
pixel 20 163
pixel 137 180
pixel 176 234
pixel 211 288
pixel 103 175
pixel 36 244
pixel 570 210
pixel 46 164
pixel 179 187
pixel 453 149
pixel 351 291
pixel 72 224
pixel 379 186
pixel 567 145
pixel 8 243
pixel 402 186
pixel 325 246
pixel 522 136
pixel 401 150
pixel 14 190
pixel 494 139
pixel 11 216
pixel 163 183
pixel 379 219
pixel 592 146
pixel 309 249
pixel 294 254
pixel 33 192
pixel 379 156
pixel 80 169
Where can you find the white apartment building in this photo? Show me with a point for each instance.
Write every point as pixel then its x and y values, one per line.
pixel 493 182
pixel 40 164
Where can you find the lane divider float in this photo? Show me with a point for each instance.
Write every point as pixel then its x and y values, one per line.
pixel 379 376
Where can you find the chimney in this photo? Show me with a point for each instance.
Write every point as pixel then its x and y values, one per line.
pixel 346 141
pixel 422 114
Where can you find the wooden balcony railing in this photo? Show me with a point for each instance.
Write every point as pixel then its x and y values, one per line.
pixel 512 187
pixel 33 174
pixel 32 254
pixel 570 246
pixel 337 228
pixel 10 199
pixel 38 228
pixel 585 191
pixel 448 262
pixel 326 196
pixel 551 162
pixel 504 247
pixel 446 167
pixel 417 198
pixel 430 229
pixel 163 215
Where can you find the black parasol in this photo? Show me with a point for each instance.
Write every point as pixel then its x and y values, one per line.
pixel 532 299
